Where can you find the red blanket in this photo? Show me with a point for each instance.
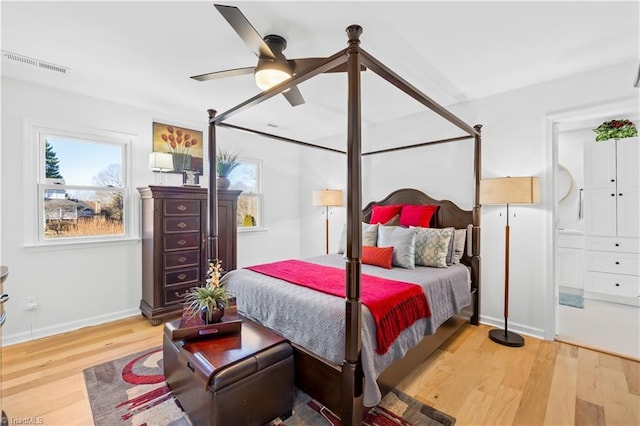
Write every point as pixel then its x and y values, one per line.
pixel 395 305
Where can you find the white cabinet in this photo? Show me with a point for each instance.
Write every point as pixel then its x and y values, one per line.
pixel 570 260
pixel 611 188
pixel 612 269
pixel 612 220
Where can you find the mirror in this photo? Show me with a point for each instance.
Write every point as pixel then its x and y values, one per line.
pixel 564 183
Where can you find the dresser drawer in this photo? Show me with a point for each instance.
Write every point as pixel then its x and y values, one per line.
pixel 616 263
pixel 175 294
pixel 181 259
pixel 617 244
pixel 182 224
pixel 181 241
pixel 182 276
pixel 612 284
pixel 181 207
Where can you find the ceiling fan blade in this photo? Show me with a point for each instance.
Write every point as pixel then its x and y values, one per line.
pixel 223 74
pixel 245 30
pixel 294 96
pixel 301 64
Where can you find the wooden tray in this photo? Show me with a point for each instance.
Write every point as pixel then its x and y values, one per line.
pixel 193 328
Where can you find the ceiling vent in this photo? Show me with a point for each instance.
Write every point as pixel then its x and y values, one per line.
pixel 35 62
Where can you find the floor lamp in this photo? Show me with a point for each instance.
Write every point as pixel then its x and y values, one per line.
pixel 508 190
pixel 327 198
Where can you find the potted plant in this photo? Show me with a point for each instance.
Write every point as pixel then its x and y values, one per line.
pixel 615 129
pixel 226 162
pixel 209 300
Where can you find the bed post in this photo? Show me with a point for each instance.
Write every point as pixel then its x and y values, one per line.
pixel 475 259
pixel 212 226
pixel 352 375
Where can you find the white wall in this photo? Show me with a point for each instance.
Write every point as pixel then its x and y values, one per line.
pixel 90 285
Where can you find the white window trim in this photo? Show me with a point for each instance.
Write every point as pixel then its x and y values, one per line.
pixel 33 178
pixel 260 195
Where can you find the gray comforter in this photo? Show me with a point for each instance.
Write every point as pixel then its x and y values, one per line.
pixel 316 320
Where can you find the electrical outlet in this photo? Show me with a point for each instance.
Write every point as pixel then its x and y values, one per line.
pixel 32 303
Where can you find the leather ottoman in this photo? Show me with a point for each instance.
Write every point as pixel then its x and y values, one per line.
pixel 245 378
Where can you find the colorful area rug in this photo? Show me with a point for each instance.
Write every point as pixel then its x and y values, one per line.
pixel 573 300
pixel 132 391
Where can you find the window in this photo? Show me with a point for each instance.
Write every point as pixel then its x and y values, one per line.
pixel 247 177
pixel 82 186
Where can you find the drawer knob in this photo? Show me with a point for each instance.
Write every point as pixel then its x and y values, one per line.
pixel 613 180
pixel 182 207
pixel 617 263
pixel 182 259
pixel 613 195
pixel 182 276
pixel 617 245
pixel 620 194
pixel 178 294
pixel 182 225
pixel 182 242
pixel 617 285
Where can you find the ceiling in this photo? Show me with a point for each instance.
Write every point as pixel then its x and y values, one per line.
pixel 143 53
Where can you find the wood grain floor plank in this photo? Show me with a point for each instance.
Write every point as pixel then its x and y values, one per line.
pixel 632 375
pixel 561 408
pixel 588 413
pixel 535 395
pixel 503 408
pixel 620 406
pixel 589 381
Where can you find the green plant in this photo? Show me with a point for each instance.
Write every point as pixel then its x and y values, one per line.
pixel 226 161
pixel 209 297
pixel 616 129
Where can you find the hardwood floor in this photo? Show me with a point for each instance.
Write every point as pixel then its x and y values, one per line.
pixel 470 377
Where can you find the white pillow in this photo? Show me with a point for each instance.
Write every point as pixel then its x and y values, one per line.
pixel 369 236
pixel 403 242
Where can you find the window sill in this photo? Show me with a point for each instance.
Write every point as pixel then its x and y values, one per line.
pixel 72 245
pixel 251 230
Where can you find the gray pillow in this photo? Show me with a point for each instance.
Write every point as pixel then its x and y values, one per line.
pixel 432 246
pixel 369 236
pixel 460 239
pixel 403 242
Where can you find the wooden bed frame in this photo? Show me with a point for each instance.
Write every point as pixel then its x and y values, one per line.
pixel 341 388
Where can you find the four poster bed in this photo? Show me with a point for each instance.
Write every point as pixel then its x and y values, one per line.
pixel 338 356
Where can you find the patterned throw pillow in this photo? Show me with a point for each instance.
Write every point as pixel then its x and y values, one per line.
pixel 432 245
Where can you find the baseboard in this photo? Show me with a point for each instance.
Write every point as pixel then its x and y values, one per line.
pixel 12 339
pixel 538 333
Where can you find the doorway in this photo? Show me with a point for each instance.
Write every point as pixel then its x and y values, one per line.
pixel 579 316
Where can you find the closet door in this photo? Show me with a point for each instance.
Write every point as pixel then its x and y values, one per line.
pixel 628 209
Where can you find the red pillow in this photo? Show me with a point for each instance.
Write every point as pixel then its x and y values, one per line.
pixel 417 215
pixel 377 256
pixel 383 214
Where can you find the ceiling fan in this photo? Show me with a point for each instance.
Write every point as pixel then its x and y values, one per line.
pixel 272 67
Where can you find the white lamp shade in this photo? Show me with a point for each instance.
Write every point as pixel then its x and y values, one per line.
pixel 510 190
pixel 327 197
pixel 161 161
pixel 266 78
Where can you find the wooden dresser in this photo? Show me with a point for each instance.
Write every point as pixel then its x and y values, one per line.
pixel 174 236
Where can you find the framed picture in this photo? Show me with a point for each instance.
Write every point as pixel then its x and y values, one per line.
pixel 190 178
pixel 184 145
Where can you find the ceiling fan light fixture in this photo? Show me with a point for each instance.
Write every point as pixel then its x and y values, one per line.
pixel 266 78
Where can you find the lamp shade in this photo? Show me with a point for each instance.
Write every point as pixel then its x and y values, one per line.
pixel 327 197
pixel 510 190
pixel 161 161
